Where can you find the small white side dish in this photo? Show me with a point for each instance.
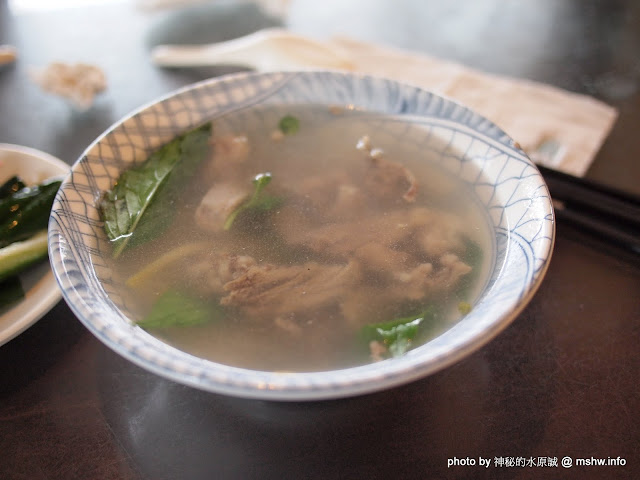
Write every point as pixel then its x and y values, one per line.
pixel 41 289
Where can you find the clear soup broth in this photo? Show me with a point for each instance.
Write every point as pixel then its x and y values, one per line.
pixel 311 238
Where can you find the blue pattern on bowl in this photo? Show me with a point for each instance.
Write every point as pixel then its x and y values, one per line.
pixel 503 178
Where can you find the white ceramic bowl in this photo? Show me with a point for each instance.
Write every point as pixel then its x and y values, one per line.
pixel 41 288
pixel 516 198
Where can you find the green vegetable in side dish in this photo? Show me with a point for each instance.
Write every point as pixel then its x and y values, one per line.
pixel 11 291
pixel 289 125
pixel 139 207
pixel 175 309
pixel 26 212
pixel 398 335
pixel 11 186
pixel 20 255
pixel 24 215
pixel 257 201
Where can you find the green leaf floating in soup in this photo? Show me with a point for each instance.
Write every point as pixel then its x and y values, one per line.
pixel 175 308
pixel 257 201
pixel 394 338
pixel 139 206
pixel 352 234
pixel 289 125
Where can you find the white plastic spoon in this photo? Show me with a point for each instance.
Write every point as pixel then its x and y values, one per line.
pixel 265 50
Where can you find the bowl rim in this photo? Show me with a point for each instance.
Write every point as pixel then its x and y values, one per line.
pixel 78 287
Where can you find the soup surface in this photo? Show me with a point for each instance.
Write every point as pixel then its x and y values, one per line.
pixel 310 239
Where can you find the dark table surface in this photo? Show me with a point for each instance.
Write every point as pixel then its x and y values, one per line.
pixel 562 380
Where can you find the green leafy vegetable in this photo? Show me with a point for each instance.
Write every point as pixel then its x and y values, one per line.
pixel 20 255
pixel 257 201
pixel 397 335
pixel 26 212
pixel 139 206
pixel 11 186
pixel 175 309
pixel 24 215
pixel 10 291
pixel 289 125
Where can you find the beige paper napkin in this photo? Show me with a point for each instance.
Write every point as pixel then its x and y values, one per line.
pixel 557 128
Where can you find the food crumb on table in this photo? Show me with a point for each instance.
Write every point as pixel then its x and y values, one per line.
pixel 79 83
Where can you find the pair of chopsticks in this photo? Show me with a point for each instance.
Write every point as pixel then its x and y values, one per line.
pixel 608 213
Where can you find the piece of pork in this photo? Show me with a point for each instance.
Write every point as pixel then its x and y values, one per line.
pixel 272 290
pixel 231 149
pixel 381 258
pixel 427 279
pixel 209 275
pixel 423 282
pixel 385 179
pixel 391 181
pixel 320 190
pixel 340 240
pixel 226 172
pixel 218 203
pixel 437 232
pixel 283 293
pixel 417 230
pixel 333 195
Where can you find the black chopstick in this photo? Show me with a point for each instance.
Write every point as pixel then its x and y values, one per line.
pixel 590 206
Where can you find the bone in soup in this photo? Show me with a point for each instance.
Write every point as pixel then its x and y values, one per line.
pixel 297 239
